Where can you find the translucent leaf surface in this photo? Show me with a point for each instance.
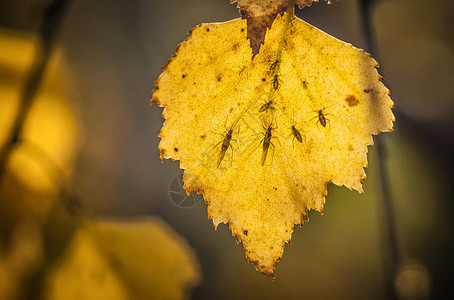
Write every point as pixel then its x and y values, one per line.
pixel 262 138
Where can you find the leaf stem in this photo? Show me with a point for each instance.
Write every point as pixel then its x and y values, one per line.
pixel 289 15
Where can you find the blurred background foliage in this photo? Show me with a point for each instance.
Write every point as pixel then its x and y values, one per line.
pixel 89 143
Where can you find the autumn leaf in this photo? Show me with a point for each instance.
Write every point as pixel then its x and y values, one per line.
pixel 260 15
pixel 125 260
pixel 262 138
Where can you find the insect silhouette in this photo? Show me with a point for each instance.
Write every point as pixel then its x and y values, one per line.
pixel 275 65
pixel 228 137
pixel 321 117
pixel 225 145
pixel 267 105
pixel 276 83
pixel 267 142
pixel 225 142
pixel 296 134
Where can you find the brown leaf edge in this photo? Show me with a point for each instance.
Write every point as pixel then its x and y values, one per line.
pixel 258 25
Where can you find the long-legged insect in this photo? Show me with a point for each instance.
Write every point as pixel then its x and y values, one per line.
pixel 267 105
pixel 225 145
pixel 266 144
pixel 274 68
pixel 226 141
pixel 276 83
pixel 266 141
pixel 275 65
pixel 296 134
pixel 321 118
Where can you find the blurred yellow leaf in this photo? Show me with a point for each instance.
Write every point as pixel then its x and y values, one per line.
pixel 51 130
pixel 48 146
pixel 19 258
pixel 262 138
pixel 125 260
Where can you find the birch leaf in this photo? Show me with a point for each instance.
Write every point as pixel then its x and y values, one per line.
pixel 125 260
pixel 262 138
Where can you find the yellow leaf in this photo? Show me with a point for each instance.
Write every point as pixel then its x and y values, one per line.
pixel 262 138
pixel 85 274
pixel 125 260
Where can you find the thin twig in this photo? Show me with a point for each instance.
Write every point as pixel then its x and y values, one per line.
pixel 46 41
pixel 394 255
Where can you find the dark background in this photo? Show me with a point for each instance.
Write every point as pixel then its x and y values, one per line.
pixel 114 50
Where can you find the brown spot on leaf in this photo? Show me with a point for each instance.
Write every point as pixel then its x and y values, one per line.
pixel 350 147
pixel 245 232
pixel 263 79
pixel 163 153
pixel 203 136
pixel 176 149
pixel 184 76
pixel 352 100
pixel 236 47
pixel 208 29
pixel 367 91
pixel 218 78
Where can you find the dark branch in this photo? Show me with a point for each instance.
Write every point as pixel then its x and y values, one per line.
pixel 394 256
pixel 47 35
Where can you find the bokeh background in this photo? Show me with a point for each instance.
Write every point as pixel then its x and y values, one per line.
pixel 108 54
